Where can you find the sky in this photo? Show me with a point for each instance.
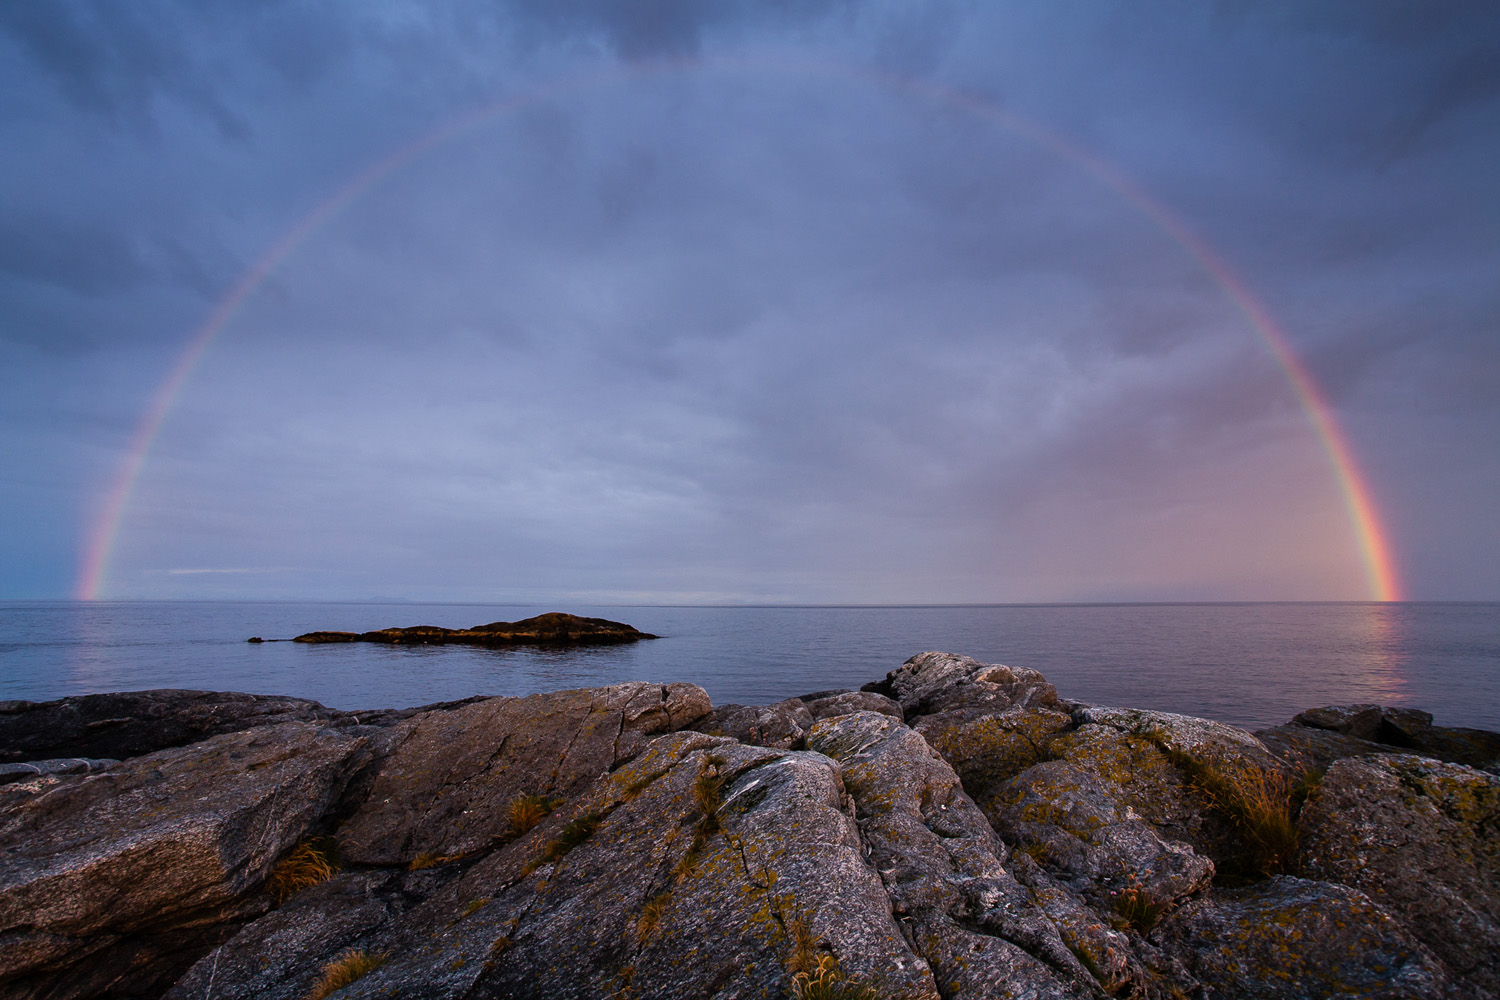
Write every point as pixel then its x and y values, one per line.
pixel 766 302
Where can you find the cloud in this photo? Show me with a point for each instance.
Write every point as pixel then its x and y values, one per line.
pixel 109 59
pixel 81 256
pixel 739 321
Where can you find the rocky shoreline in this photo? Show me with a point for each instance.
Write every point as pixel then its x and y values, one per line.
pixel 956 829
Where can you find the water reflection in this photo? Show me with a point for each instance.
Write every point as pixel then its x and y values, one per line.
pixel 1386 653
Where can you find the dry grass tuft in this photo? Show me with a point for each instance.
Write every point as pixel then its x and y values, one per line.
pixel 310 863
pixel 1137 909
pixel 431 859
pixel 650 916
pixel 527 811
pixel 351 965
pixel 569 837
pixel 689 861
pixel 708 790
pixel 1261 806
pixel 826 982
pixel 804 959
pixel 472 907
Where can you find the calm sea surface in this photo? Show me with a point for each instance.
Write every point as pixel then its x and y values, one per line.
pixel 1249 664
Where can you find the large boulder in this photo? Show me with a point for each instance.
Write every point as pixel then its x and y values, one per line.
pixel 1293 939
pixel 701 867
pixel 827 704
pixel 979 928
pixel 989 749
pixel 130 723
pixel 1421 838
pixel 1191 741
pixel 110 883
pixel 447 787
pixel 781 725
pixel 1109 814
pixel 1306 747
pixel 936 682
pixel 1319 736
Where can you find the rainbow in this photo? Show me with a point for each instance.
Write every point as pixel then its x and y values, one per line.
pixel 1374 546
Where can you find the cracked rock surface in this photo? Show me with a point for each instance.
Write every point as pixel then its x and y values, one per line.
pixel 955 829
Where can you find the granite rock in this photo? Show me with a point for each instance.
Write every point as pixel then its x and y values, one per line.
pixel 447 785
pixel 130 723
pixel 106 880
pixel 934 682
pixel 1421 838
pixel 1294 939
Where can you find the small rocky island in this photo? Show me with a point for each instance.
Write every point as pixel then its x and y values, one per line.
pixel 551 629
pixel 955 829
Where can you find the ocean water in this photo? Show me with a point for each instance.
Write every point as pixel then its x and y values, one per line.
pixel 1252 665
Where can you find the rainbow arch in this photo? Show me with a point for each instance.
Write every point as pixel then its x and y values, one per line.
pixel 1379 562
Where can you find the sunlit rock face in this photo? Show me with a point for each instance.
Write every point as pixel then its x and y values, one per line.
pixel 957 829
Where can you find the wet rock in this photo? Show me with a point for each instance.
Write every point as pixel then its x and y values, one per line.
pixel 1419 837
pixel 1295 939
pixel 781 725
pixel 829 704
pixel 551 629
pixel 110 882
pixel 447 786
pixel 130 723
pixel 934 682
pixel 976 925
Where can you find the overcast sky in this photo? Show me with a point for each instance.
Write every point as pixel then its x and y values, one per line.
pixel 748 301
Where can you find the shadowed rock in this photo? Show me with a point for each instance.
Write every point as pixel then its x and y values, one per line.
pixel 1290 938
pixel 1109 814
pixel 551 629
pixel 282 953
pixel 130 723
pixel 1320 736
pixel 1421 838
pixel 129 867
pixel 976 926
pixel 781 725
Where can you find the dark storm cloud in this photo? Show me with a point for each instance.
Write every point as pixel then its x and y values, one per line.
pixel 651 29
pixel 756 326
pixel 72 254
pixel 115 58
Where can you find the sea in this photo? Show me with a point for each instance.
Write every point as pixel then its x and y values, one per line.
pixel 1251 665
